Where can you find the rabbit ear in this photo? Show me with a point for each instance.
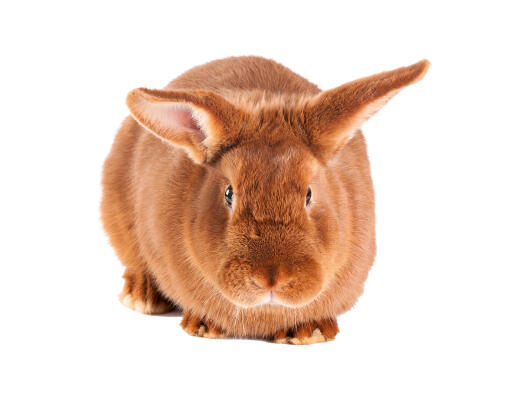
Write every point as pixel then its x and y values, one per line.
pixel 332 117
pixel 197 121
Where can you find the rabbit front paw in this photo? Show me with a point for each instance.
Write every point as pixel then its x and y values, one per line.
pixel 308 333
pixel 200 327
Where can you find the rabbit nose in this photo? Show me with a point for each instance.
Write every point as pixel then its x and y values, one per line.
pixel 269 278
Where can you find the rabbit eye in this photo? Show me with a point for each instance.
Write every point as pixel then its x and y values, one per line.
pixel 229 195
pixel 308 197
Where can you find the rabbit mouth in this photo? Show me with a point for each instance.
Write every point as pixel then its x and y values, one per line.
pixel 271 298
pixel 251 285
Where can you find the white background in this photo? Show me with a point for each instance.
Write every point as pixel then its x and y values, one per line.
pixel 435 316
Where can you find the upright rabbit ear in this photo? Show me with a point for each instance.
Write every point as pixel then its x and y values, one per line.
pixel 198 121
pixel 332 117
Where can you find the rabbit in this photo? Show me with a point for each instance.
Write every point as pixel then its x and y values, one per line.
pixel 241 195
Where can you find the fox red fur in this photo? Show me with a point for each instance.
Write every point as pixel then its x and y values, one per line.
pixel 241 194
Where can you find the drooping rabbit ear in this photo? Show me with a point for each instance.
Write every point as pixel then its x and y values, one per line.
pixel 198 121
pixel 332 117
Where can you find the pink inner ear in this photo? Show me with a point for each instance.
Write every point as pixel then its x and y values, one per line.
pixel 181 117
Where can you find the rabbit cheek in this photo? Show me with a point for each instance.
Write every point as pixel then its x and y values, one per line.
pixel 301 284
pixel 236 284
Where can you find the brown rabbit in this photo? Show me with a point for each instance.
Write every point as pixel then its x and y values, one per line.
pixel 253 208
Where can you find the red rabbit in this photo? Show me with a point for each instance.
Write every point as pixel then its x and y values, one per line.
pixel 252 210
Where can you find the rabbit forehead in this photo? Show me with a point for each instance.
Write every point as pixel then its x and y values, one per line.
pixel 256 162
